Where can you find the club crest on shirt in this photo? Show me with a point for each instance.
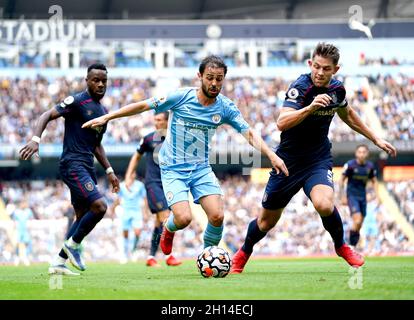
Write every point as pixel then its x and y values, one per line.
pixel 89 186
pixel 334 98
pixel 264 197
pixel 216 118
pixel 170 195
pixel 159 100
pixel 293 93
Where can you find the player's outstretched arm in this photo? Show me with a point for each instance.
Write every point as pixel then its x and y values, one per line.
pixel 126 111
pixel 342 184
pixel 290 117
pixel 32 146
pixel 257 142
pixel 351 118
pixel 133 164
pixel 103 160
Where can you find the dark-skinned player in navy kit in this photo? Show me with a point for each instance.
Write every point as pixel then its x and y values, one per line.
pixel 310 105
pixel 76 164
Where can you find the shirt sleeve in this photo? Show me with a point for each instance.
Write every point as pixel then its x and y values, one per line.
pixel 372 173
pixel 341 93
pixel 346 171
pixel 67 107
pixel 143 146
pixel 234 118
pixel 295 96
pixel 165 103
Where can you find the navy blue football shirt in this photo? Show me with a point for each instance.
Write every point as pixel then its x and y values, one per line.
pixel 150 146
pixel 358 176
pixel 308 141
pixel 79 144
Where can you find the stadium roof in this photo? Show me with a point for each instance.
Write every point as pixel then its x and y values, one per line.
pixel 206 9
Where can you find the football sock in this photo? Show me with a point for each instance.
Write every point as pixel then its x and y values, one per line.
pixel 212 235
pixel 333 224
pixel 71 231
pixel 126 246
pixel 253 236
pixel 170 225
pixel 86 224
pixel 136 240
pixel 155 241
pixel 353 237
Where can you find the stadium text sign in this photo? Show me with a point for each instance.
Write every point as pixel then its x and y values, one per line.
pixel 37 31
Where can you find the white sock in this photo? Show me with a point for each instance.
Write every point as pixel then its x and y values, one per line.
pixel 59 260
pixel 150 257
pixel 72 243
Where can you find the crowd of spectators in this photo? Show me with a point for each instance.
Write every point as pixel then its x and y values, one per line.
pixel 299 232
pixel 403 192
pixel 395 106
pixel 259 100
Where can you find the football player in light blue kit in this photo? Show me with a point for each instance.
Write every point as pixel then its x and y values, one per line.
pixel 132 199
pixel 195 113
pixel 21 216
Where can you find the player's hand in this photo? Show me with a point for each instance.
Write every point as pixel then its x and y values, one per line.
pixel 94 123
pixel 320 101
pixel 387 147
pixel 28 150
pixel 114 182
pixel 278 164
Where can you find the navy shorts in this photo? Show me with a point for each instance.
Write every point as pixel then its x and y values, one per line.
pixel 81 180
pixel 280 188
pixel 357 204
pixel 156 197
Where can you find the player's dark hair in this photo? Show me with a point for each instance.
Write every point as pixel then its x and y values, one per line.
pixel 214 61
pixel 362 146
pixel 327 50
pixel 166 114
pixel 99 66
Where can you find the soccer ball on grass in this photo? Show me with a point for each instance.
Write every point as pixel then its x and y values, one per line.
pixel 214 262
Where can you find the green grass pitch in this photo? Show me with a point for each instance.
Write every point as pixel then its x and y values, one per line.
pixel 307 278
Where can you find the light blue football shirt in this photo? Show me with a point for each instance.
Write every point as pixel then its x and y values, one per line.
pixel 22 216
pixel 191 127
pixel 132 199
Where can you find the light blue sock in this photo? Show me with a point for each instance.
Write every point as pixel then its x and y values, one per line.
pixel 126 246
pixel 212 235
pixel 170 223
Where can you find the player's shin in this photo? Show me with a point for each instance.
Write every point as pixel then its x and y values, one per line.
pixel 155 241
pixel 212 235
pixel 333 224
pixel 353 237
pixel 170 225
pixel 86 225
pixel 253 236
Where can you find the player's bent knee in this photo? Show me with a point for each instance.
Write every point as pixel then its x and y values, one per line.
pixel 183 220
pixel 324 207
pixel 216 219
pixel 99 207
pixel 265 224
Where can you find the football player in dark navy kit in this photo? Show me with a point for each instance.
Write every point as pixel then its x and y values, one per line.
pixel 310 105
pixel 357 172
pixel 150 146
pixel 76 164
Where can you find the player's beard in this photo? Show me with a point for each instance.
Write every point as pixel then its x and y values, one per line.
pixel 207 93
